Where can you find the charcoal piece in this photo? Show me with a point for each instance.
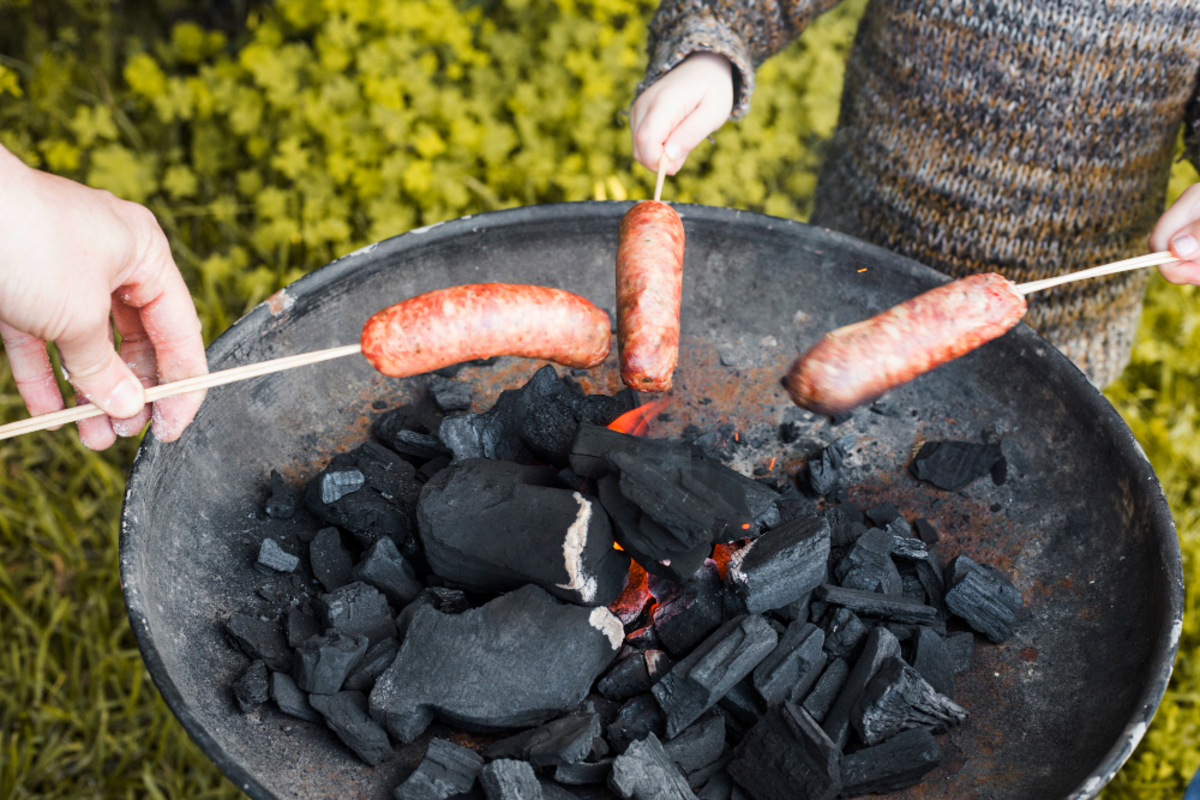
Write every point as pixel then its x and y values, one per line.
pixel 873 604
pixel 494 525
pixel 640 536
pixel 282 502
pixel 422 416
pixel 552 791
pixel 702 776
pixel 510 780
pixel 273 558
pixel 290 699
pixel 951 465
pixel 882 514
pixel 718 787
pixel 960 646
pixel 418 446
pixel 357 609
pixel 658 664
pixel 432 467
pixel 742 704
pixel 447 772
pixel 906 546
pixel 639 717
pixel 383 567
pixel 698 745
pixel 925 531
pixel 378 658
pixel 382 506
pixel 330 560
pixel 728 655
pixel 671 494
pixel 787 756
pixel 251 689
pixel 261 639
pixel 628 678
pixel 880 646
pixel 540 657
pixel 645 772
pixel 898 699
pixel 795 610
pixel 984 598
pixel 895 764
pixel 911 586
pixel 868 565
pixel 567 479
pixel 903 631
pixel 336 485
pixel 323 663
pixel 823 472
pixel 584 773
pixel 933 662
pixel 346 714
pixel 568 740
pixel 449 394
pixel 793 666
pixel 600 748
pixel 791 502
pixel 685 617
pixel 845 524
pixel 301 626
pixel 929 572
pixel 782 565
pixel 826 689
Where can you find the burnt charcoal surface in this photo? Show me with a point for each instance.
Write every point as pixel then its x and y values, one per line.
pixel 898 763
pixel 510 780
pixel 645 772
pixel 378 658
pixel 933 662
pixel 628 678
pixel 826 689
pixel 881 645
pixel 493 525
pixel 793 666
pixel 685 617
pixel 539 655
pixel 873 604
pixel 699 745
pixel 824 471
pixel 418 446
pixel 898 699
pixel 273 558
pixel 346 714
pixel 844 632
pixel 845 524
pixel 447 771
pixel 562 741
pixel 449 394
pixel 984 597
pixel 261 640
pixel 925 531
pixel 290 699
pixel 330 560
pixel 787 756
pixel 383 503
pixel 742 704
pixel 727 656
pixel 357 609
pixel 383 567
pixel 323 663
pixel 951 465
pixel 584 773
pixel 869 566
pixel 251 690
pixel 650 544
pixel 960 645
pixel 639 717
pixel 782 565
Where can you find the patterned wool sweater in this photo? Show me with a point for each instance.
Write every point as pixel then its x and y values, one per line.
pixel 1026 137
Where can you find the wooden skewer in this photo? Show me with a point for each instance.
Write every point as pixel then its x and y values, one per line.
pixel 219 378
pixel 663 162
pixel 1141 262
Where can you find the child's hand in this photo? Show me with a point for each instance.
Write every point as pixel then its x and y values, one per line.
pixel 681 109
pixel 74 263
pixel 1178 230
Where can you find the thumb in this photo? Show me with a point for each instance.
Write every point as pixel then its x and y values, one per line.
pixel 692 130
pixel 98 374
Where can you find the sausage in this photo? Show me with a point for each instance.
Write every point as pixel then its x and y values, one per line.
pixel 855 364
pixel 649 291
pixel 481 320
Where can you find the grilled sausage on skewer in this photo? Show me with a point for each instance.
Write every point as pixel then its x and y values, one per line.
pixel 649 289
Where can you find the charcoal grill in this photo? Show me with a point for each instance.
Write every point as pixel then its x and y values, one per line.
pixel 1081 524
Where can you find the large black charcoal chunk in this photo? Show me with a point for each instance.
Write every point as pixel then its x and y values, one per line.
pixel 684 617
pixel 952 465
pixel 638 718
pixel 539 657
pixel 925 531
pixel 251 690
pixel 741 704
pixel 898 699
pixel 896 764
pixel 381 505
pixel 645 772
pixel 510 780
pixel 844 632
pixel 845 524
pixel 872 604
pixel 357 609
pixel 881 645
pixel 793 666
pixel 323 662
pixel 826 689
pixel 699 745
pixel 650 544
pixel 669 492
pixel 290 699
pixel 449 394
pixel 593 444
pixel 447 772
pixel 933 661
pixel 330 560
pixel 782 565
pixel 378 658
pixel 494 525
pixel 629 677
pixel 787 756
pixel 984 597
pixel 346 714
pixel 728 655
pixel 387 570
pixel 824 471
pixel 261 639
pixel 273 558
pixel 869 566
pixel 563 741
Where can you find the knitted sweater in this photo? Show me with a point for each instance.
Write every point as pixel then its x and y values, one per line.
pixel 1026 137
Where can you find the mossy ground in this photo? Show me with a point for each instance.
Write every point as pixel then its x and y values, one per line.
pixel 321 125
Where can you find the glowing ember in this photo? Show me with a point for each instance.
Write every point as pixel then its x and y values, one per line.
pixel 722 553
pixel 633 597
pixel 637 421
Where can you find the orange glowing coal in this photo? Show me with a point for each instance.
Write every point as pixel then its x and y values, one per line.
pixel 633 598
pixel 637 421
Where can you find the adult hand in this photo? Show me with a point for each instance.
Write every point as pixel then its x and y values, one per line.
pixel 681 109
pixel 74 263
pixel 1178 230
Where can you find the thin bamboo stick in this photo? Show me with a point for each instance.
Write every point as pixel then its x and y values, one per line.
pixel 1141 262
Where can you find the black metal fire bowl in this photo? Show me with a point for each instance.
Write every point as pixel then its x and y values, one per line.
pixel 1081 524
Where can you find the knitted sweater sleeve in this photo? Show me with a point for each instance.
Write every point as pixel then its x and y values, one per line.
pixel 747 32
